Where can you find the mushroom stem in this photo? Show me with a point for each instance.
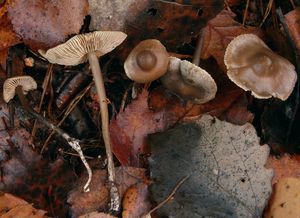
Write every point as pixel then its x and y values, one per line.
pixel 99 83
pixel 74 143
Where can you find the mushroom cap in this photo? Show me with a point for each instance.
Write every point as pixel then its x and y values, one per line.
pixel 147 61
pixel 10 85
pixel 189 81
pixel 75 50
pixel 252 65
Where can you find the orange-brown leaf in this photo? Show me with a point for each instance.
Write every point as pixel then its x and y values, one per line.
pixel 286 166
pixel 11 206
pixel 136 201
pixel 7 35
pixel 219 32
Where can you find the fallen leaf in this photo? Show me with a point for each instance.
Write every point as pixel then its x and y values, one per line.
pixel 98 197
pixel 136 201
pixel 7 36
pixel 11 206
pixel 3 7
pixel 219 32
pixel 56 20
pixel 96 215
pixel 285 166
pixel 293 23
pixel 226 167
pixel 171 22
pixel 238 113
pixel 130 129
pixel 285 200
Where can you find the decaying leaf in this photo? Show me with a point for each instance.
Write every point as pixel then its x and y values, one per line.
pixel 11 206
pixel 163 20
pixel 7 36
pixel 43 24
pixel 130 129
pixel 285 200
pixel 225 164
pixel 293 23
pixel 238 113
pixel 98 198
pixel 136 201
pixel 218 34
pixel 25 174
pixel 285 166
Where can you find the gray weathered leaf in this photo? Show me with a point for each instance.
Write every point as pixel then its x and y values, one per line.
pixel 226 167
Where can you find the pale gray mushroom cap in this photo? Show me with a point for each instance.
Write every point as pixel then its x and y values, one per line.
pixel 10 85
pixel 189 81
pixel 75 50
pixel 253 66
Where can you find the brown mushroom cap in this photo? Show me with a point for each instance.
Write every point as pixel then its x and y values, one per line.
pixel 189 81
pixel 75 50
pixel 147 61
pixel 252 65
pixel 10 85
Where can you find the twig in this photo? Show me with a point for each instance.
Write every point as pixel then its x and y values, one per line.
pixel 45 86
pixel 267 12
pixel 74 143
pixel 70 108
pixel 198 50
pixel 227 6
pixel 246 12
pixel 168 198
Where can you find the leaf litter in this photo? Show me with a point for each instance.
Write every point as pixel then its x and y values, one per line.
pixel 156 109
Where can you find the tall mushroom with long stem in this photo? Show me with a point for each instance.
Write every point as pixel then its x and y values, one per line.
pixel 77 50
pixel 20 85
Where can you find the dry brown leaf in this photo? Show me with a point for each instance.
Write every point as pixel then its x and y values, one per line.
pixel 96 215
pixel 7 36
pixel 285 201
pixel 98 197
pixel 130 128
pixel 173 22
pixel 3 7
pixel 238 113
pixel 293 23
pixel 219 32
pixel 286 166
pixel 136 201
pixel 43 23
pixel 11 206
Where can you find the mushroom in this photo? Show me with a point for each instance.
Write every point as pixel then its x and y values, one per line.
pixel 189 81
pixel 20 85
pixel 147 61
pixel 79 49
pixel 253 66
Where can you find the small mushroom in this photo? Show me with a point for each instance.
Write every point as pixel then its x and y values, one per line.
pixel 22 84
pixel 147 61
pixel 79 49
pixel 253 66
pixel 189 81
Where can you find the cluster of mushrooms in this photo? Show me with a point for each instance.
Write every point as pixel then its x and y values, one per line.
pixel 250 64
